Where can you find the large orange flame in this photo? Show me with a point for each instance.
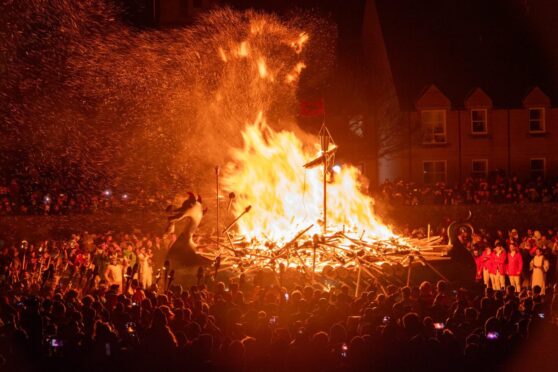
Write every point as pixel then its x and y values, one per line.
pixel 268 174
pixel 268 171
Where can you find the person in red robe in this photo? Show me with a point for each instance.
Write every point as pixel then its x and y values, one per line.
pixel 514 267
pixel 478 263
pixel 498 268
pixel 486 262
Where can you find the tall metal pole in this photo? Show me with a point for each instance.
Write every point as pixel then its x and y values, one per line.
pixel 217 200
pixel 324 139
pixel 325 192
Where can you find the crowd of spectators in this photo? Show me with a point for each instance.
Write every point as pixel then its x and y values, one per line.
pixel 84 259
pixel 63 307
pixel 498 190
pixel 32 193
pixel 524 261
pixel 66 195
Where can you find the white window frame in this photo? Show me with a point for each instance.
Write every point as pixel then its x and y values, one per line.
pixel 485 122
pixel 445 134
pixel 543 119
pixel 531 166
pixel 445 162
pixel 485 161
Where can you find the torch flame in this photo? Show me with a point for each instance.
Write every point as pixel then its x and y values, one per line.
pixel 267 172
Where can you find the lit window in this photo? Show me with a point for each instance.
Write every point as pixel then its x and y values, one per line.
pixel 434 171
pixel 479 168
pixel 433 126
pixel 478 122
pixel 538 167
pixel 536 120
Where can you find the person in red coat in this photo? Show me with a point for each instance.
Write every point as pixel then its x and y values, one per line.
pixel 486 263
pixel 478 263
pixel 498 268
pixel 514 267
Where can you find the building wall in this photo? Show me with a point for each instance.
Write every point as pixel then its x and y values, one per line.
pixel 525 146
pixel 492 146
pixel 447 152
pixel 508 146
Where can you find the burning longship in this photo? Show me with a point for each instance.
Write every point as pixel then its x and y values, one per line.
pixel 282 221
pixel 293 210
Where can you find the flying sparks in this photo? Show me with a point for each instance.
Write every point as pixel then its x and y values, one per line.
pixel 154 109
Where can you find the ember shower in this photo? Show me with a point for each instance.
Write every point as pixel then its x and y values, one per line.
pixel 155 109
pixel 162 107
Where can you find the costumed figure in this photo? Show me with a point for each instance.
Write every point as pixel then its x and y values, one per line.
pixel 514 267
pixel 539 267
pixel 142 262
pixel 498 268
pixel 113 273
pixel 487 261
pixel 148 272
pixel 463 266
pixel 478 263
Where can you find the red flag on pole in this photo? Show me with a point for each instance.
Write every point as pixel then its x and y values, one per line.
pixel 312 109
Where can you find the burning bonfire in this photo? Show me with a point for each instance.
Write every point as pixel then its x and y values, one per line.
pixel 293 209
pixel 286 197
pixel 280 209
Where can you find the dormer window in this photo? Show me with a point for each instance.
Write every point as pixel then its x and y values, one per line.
pixel 478 121
pixel 536 120
pixel 433 127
